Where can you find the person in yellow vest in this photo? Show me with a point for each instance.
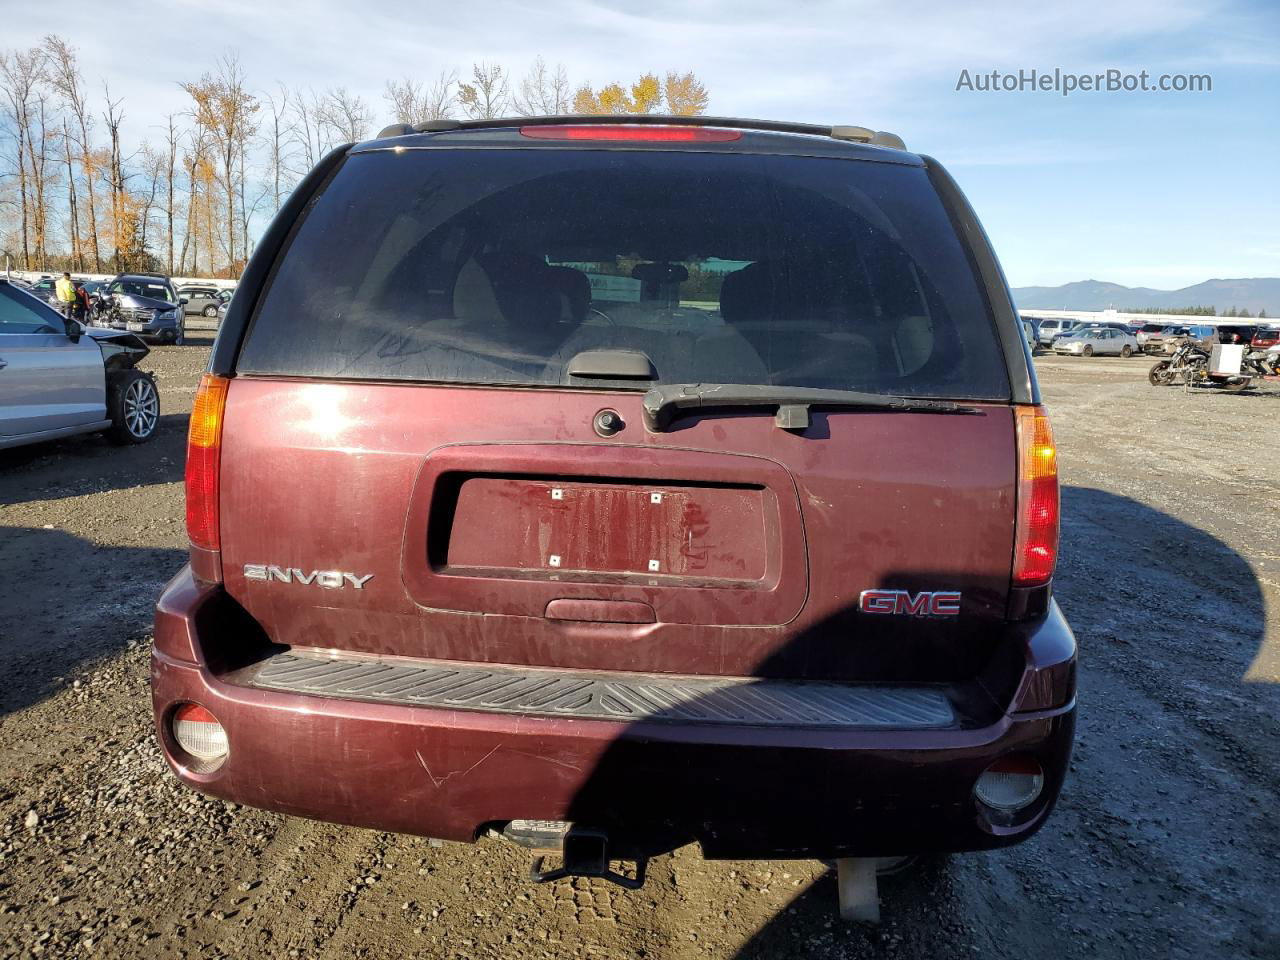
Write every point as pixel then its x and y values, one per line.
pixel 65 292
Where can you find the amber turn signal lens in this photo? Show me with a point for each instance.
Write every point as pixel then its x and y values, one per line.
pixel 204 445
pixel 1036 539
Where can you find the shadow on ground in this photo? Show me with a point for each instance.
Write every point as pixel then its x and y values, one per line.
pixel 66 601
pixel 91 463
pixel 1162 840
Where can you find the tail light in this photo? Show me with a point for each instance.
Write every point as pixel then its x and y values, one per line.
pixel 632 132
pixel 204 445
pixel 1036 539
pixel 1011 783
pixel 200 736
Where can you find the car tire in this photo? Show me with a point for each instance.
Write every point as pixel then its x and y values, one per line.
pixel 210 311
pixel 1087 351
pixel 180 335
pixel 133 403
pixel 1126 351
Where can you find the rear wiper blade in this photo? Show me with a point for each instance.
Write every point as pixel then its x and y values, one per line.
pixel 664 403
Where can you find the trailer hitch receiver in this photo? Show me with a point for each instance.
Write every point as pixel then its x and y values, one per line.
pixel 584 852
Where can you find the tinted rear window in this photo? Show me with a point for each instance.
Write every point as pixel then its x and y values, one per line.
pixel 499 266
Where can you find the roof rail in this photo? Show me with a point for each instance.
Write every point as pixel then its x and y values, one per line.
pixel 857 134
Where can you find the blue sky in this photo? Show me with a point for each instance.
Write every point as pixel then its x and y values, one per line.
pixel 1150 189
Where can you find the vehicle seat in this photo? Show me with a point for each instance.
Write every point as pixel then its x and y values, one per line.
pixel 574 291
pixel 512 299
pixel 808 341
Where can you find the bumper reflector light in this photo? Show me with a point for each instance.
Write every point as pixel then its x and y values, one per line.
pixel 1010 784
pixel 201 737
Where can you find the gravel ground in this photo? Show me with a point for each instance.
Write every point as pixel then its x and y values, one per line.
pixel 1164 843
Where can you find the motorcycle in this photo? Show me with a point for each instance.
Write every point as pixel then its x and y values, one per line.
pixel 1262 363
pixel 1190 364
pixel 103 309
pixel 1186 364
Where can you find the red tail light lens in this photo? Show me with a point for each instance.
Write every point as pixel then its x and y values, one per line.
pixel 204 446
pixel 1036 541
pixel 632 132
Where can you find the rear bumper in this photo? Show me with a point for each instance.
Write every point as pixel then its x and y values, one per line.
pixel 740 791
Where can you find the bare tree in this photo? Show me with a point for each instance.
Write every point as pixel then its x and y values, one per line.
pixel 345 116
pixel 413 102
pixel 191 160
pixel 41 144
pixel 171 139
pixel 278 137
pixel 303 128
pixel 488 94
pixel 73 208
pixel 153 184
pixel 121 238
pixel 64 73
pixel 225 110
pixel 440 98
pixel 543 92
pixel 20 73
pixel 405 97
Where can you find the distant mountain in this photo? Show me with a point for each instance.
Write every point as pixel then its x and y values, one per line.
pixel 1252 294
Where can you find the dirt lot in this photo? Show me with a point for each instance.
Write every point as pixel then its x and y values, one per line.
pixel 1165 842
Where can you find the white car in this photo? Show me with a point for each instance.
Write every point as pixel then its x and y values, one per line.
pixel 1099 340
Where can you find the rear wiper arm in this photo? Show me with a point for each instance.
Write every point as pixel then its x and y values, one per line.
pixel 664 403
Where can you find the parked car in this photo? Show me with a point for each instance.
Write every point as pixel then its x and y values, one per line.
pixel 1096 340
pixel 1204 334
pixel 1048 328
pixel 1076 329
pixel 59 378
pixel 481 543
pixel 1147 331
pixel 44 289
pixel 147 304
pixel 1030 331
pixel 1266 337
pixel 202 300
pixel 1235 332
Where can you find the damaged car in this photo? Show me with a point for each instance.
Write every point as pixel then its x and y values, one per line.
pixel 59 378
pixel 146 304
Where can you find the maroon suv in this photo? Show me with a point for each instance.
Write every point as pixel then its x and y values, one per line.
pixel 614 486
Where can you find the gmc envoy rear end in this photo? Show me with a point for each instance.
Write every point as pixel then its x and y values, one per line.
pixel 611 486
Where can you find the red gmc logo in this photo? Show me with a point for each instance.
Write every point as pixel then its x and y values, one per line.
pixel 927 603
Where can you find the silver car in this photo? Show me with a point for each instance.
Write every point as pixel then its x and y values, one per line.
pixel 59 378
pixel 202 300
pixel 1098 340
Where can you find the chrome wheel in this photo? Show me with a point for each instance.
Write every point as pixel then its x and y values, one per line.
pixel 141 408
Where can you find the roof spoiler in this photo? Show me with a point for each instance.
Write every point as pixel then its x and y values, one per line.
pixel 878 138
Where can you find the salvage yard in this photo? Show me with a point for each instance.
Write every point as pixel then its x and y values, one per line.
pixel 1164 843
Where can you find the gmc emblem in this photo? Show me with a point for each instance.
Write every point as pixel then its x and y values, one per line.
pixel 927 603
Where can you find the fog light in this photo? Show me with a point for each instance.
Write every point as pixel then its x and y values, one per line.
pixel 201 737
pixel 1011 783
